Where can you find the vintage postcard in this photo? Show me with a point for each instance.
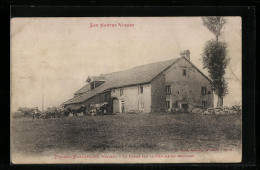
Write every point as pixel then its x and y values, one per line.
pixel 126 90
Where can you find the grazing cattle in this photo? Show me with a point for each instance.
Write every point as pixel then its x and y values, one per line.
pixel 37 114
pixel 60 112
pixel 51 112
pixel 66 111
pixel 74 112
pixel 92 109
pixel 104 109
pixel 96 109
pixel 81 109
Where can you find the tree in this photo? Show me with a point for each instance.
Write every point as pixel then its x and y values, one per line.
pixel 214 24
pixel 215 58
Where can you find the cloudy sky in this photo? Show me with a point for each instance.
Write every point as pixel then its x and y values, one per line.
pixel 66 50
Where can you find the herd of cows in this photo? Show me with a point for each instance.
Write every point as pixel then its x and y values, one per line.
pixel 52 112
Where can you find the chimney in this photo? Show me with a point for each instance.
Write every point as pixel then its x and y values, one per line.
pixel 185 54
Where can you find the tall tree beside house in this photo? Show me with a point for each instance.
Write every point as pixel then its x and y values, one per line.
pixel 215 57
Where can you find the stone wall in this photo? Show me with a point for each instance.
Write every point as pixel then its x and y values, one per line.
pixel 158 94
pixel 187 88
pixel 217 111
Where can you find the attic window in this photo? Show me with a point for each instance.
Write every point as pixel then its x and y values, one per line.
pixel 203 90
pixel 184 73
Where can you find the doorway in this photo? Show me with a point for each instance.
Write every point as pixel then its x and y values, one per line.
pixel 122 107
pixel 116 108
pixel 185 106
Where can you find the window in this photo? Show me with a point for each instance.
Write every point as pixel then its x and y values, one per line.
pixel 184 73
pixel 113 91
pixel 168 89
pixel 121 92
pixel 92 85
pixel 141 90
pixel 203 90
pixel 204 104
pixel 168 104
pixel 141 105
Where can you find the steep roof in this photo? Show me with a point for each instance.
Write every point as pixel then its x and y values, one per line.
pixel 83 89
pixel 134 76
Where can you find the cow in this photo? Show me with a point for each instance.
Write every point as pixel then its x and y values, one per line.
pixel 60 111
pixel 81 109
pixel 66 111
pixel 37 114
pixel 73 110
pixel 104 108
pixel 51 112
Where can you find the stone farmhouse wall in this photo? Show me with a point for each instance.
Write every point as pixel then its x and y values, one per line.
pixel 132 97
pixel 187 88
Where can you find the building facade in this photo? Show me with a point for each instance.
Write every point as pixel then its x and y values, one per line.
pixel 158 87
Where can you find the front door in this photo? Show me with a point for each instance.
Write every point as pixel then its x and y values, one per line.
pixel 123 107
pixel 116 106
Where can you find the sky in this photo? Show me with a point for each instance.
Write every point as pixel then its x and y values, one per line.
pixel 63 52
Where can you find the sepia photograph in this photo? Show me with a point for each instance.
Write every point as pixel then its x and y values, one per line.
pixel 102 90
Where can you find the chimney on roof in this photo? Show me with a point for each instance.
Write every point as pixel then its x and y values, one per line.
pixel 88 79
pixel 185 54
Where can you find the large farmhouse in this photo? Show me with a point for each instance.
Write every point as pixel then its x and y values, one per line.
pixel 153 87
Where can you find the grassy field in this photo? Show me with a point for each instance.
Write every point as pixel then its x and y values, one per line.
pixel 126 133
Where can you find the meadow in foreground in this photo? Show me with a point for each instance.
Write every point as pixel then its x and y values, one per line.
pixel 125 133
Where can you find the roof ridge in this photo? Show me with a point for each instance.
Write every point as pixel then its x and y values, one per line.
pixel 163 65
pixel 141 66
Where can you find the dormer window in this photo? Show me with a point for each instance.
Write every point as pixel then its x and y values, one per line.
pixel 95 84
pixel 95 81
pixel 92 85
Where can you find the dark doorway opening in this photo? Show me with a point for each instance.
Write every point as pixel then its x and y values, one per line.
pixel 185 106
